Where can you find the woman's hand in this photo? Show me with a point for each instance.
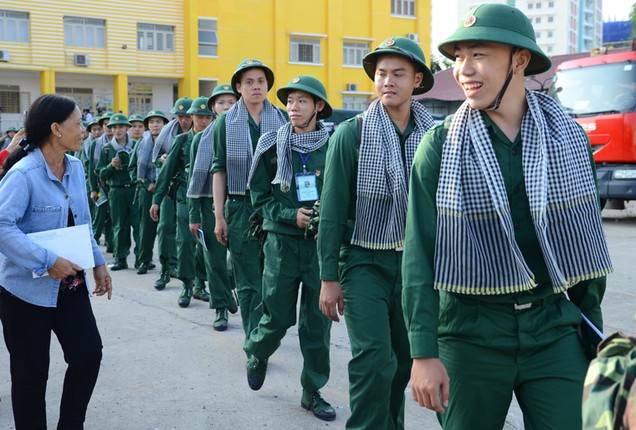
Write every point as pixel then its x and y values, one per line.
pixel 63 268
pixel 103 281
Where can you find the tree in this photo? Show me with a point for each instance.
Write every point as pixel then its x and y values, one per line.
pixel 439 63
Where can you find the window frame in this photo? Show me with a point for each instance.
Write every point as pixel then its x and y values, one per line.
pixel 214 44
pixel 404 8
pixel 21 22
pixel 295 43
pixel 360 48
pixel 75 23
pixel 164 30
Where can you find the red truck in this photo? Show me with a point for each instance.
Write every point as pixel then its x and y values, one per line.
pixel 599 92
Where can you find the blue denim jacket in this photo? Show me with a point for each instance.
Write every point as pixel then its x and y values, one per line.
pixel 33 199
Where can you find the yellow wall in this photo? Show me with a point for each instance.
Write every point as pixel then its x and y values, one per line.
pixel 246 28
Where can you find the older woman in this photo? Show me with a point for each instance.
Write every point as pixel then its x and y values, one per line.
pixel 44 189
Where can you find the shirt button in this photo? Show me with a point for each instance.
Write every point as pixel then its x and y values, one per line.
pixel 516 189
pixel 514 152
pixel 66 196
pixel 516 226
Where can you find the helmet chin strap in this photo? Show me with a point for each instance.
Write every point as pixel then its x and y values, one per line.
pixel 504 87
pixel 306 124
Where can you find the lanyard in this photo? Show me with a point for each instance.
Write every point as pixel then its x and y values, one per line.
pixel 304 160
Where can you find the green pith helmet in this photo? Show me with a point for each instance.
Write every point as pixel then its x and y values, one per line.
pixel 155 114
pixel 95 121
pixel 135 117
pixel 310 85
pixel 106 115
pixel 200 107
pixel 12 129
pixel 404 47
pixel 118 119
pixel 220 90
pixel 181 106
pixel 251 63
pixel 498 23
pixel 85 124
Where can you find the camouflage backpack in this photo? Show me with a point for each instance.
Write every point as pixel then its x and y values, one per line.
pixel 609 395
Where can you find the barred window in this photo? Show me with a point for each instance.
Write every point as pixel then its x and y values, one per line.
pixel 155 37
pixel 304 50
pixel 14 26
pixel 12 100
pixel 84 32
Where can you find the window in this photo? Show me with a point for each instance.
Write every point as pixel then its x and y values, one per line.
pixel 304 50
pixel 538 5
pixel 155 37
pixel 12 100
pixel 538 34
pixel 403 7
pixel 538 20
pixel 530 5
pixel 354 102
pixel 353 52
pixel 14 26
pixel 84 32
pixel 549 49
pixel 550 4
pixel 549 34
pixel 550 19
pixel 208 37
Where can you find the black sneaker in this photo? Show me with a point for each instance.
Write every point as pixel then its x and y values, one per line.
pixel 315 403
pixel 256 371
pixel 119 265
pixel 220 323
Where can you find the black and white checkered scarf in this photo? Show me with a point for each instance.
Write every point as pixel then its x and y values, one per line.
pixel 239 149
pixel 97 151
pixel 163 142
pixel 476 251
pixel 146 171
pixel 383 177
pixel 201 178
pixel 287 141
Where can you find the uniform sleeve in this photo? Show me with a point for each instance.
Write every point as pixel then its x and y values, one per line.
pixel 168 170
pixel 194 204
pixel 338 194
pixel 92 175
pixel 104 167
pixel 420 301
pixel 219 141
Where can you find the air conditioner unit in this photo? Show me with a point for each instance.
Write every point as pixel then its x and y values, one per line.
pixel 413 36
pixel 352 87
pixel 81 60
pixel 4 55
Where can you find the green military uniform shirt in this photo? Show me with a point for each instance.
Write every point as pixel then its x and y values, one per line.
pixel 113 177
pixel 176 166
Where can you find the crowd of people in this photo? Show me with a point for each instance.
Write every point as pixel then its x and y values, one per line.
pixel 443 246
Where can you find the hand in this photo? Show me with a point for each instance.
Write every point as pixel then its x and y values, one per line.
pixel 94 196
pixel 63 268
pixel 162 159
pixel 154 212
pixel 103 281
pixel 303 216
pixel 430 384
pixel 115 162
pixel 194 229
pixel 220 230
pixel 151 187
pixel 331 301
pixel 15 142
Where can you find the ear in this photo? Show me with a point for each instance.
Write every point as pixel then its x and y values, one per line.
pixel 320 105
pixel 419 77
pixel 238 87
pixel 521 59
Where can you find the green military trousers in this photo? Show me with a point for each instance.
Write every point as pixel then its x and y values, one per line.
pixel 147 227
pixel 247 266
pixel 103 224
pixel 290 261
pixel 215 260
pixel 166 234
pixel 492 350
pixel 186 241
pixel 380 366
pixel 122 213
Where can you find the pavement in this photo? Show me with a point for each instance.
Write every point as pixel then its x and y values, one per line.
pixel 164 367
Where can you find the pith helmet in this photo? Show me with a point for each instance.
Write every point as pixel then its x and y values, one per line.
pixel 155 114
pixel 403 47
pixel 498 23
pixel 220 90
pixel 310 85
pixel 106 115
pixel 181 106
pixel 251 63
pixel 13 129
pixel 118 119
pixel 135 117
pixel 95 121
pixel 85 124
pixel 200 107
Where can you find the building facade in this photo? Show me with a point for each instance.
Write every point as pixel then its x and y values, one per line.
pixel 137 56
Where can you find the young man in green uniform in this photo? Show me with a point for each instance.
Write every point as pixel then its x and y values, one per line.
pixel 503 227
pixel 176 167
pixel 99 194
pixel 113 171
pixel 94 132
pixel 236 134
pixel 135 132
pixel 362 218
pixel 167 228
pixel 144 174
pixel 285 183
pixel 201 211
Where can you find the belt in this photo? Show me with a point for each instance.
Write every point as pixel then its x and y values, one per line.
pixel 122 186
pixel 514 306
pixel 239 198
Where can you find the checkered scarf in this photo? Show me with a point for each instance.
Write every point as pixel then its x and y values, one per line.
pixel 163 142
pixel 286 141
pixel 475 250
pixel 145 169
pixel 383 177
pixel 127 147
pixel 97 152
pixel 201 178
pixel 239 142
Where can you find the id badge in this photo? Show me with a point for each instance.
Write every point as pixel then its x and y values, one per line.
pixel 306 188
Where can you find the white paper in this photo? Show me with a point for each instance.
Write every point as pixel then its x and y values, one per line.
pixel 72 243
pixel 202 240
